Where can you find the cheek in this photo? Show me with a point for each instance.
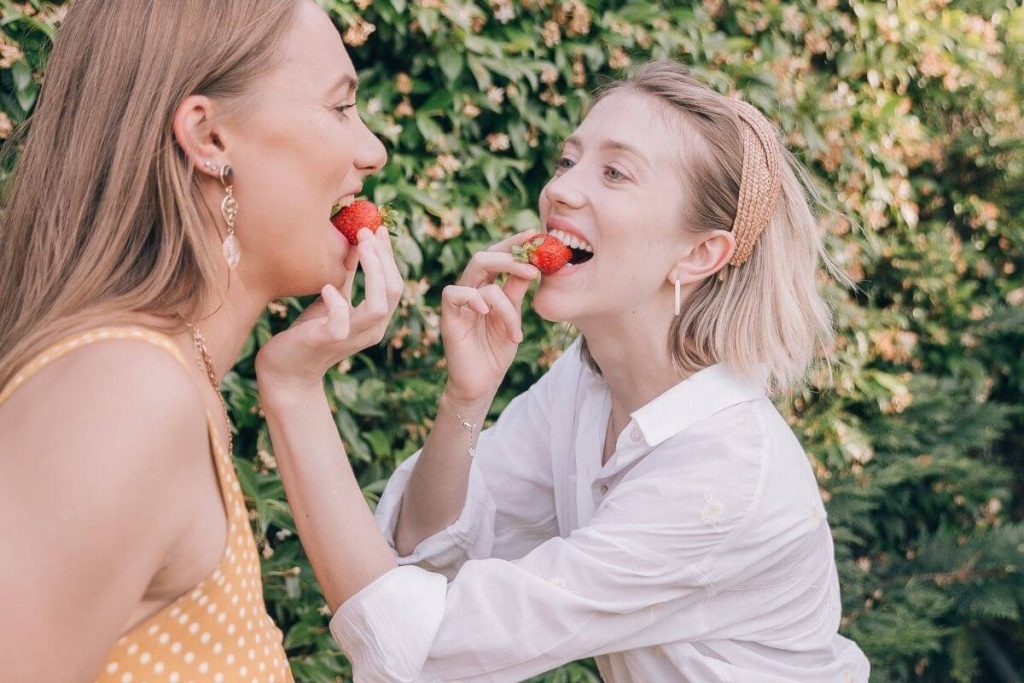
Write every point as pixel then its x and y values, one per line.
pixel 297 172
pixel 635 252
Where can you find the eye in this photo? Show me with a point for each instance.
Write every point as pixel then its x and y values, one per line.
pixel 614 174
pixel 343 109
pixel 563 164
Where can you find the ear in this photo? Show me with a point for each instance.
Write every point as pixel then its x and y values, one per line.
pixel 705 258
pixel 202 142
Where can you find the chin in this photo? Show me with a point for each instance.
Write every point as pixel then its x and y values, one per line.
pixel 311 278
pixel 553 306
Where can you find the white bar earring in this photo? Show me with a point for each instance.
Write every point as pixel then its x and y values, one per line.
pixel 679 301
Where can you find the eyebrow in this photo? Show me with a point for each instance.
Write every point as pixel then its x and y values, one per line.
pixel 612 145
pixel 345 81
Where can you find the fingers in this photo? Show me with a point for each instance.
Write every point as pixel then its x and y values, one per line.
pixel 503 310
pixel 336 324
pixel 351 265
pixel 395 285
pixel 375 304
pixel 469 297
pixel 485 266
pixel 509 242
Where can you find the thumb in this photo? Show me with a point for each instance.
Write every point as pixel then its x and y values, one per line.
pixel 515 289
pixel 337 323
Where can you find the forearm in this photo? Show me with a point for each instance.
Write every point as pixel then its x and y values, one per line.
pixel 436 492
pixel 337 529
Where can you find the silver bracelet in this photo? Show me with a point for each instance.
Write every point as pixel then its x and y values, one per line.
pixel 466 424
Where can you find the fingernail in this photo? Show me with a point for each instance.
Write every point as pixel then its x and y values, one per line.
pixel 365 236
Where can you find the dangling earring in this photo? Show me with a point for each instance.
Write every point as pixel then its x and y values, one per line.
pixel 231 248
pixel 679 300
pixel 229 207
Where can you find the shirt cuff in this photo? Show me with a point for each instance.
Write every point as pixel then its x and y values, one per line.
pixel 388 627
pixel 471 537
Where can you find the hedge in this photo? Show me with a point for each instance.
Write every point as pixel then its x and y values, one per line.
pixel 908 115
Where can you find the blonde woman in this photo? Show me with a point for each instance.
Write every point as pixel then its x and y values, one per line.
pixel 178 176
pixel 644 502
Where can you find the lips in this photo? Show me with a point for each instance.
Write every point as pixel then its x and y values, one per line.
pixel 345 200
pixel 582 250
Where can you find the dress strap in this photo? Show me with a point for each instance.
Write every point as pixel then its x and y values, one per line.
pixel 81 339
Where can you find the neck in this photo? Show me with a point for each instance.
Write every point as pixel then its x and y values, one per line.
pixel 226 324
pixel 634 357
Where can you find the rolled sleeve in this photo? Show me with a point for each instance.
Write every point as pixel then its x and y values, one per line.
pixel 388 628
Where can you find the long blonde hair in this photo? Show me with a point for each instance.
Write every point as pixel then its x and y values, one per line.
pixel 102 219
pixel 765 315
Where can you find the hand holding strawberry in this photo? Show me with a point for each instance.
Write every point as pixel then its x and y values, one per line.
pixel 331 329
pixel 481 321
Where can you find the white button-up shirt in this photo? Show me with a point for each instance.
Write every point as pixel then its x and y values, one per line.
pixel 698 552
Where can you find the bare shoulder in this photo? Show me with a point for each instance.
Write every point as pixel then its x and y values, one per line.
pixel 116 403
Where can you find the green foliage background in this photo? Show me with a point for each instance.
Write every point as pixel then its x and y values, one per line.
pixel 908 113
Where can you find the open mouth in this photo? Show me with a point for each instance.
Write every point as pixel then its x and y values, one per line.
pixel 342 202
pixel 581 250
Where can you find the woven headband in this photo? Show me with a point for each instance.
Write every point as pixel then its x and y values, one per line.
pixel 760 180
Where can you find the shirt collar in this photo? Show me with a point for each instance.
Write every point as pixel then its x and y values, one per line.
pixel 697 397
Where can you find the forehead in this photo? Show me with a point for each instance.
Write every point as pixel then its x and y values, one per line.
pixel 314 56
pixel 637 120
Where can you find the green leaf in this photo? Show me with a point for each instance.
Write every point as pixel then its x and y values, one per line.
pixel 429 129
pixel 451 63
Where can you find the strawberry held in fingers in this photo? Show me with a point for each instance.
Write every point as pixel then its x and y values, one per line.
pixel 546 252
pixel 361 213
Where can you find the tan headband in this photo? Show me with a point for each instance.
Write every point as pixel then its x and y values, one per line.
pixel 760 180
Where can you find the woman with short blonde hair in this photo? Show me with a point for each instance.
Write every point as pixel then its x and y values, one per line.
pixel 644 502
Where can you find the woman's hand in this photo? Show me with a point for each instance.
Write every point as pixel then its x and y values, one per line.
pixel 330 329
pixel 481 321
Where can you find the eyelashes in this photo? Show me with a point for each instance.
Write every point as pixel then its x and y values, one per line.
pixel 343 109
pixel 613 174
pixel 563 163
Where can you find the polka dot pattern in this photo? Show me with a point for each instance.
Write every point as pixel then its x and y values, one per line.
pixel 220 630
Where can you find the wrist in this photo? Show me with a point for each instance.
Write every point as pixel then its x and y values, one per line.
pixel 280 395
pixel 470 406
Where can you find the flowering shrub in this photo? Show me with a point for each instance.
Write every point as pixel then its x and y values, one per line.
pixel 909 116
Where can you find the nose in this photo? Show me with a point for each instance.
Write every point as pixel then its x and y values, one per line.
pixel 564 190
pixel 370 156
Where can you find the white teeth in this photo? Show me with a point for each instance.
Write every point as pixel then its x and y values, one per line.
pixel 572 241
pixel 346 200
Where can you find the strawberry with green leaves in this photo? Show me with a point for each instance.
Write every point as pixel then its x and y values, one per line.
pixel 546 252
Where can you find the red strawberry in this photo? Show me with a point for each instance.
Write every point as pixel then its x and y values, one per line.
pixel 359 214
pixel 545 251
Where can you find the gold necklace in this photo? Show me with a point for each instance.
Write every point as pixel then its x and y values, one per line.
pixel 206 363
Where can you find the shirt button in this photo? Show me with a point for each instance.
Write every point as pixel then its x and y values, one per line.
pixel 635 434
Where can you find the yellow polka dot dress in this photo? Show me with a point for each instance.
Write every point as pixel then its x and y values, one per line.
pixel 219 631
